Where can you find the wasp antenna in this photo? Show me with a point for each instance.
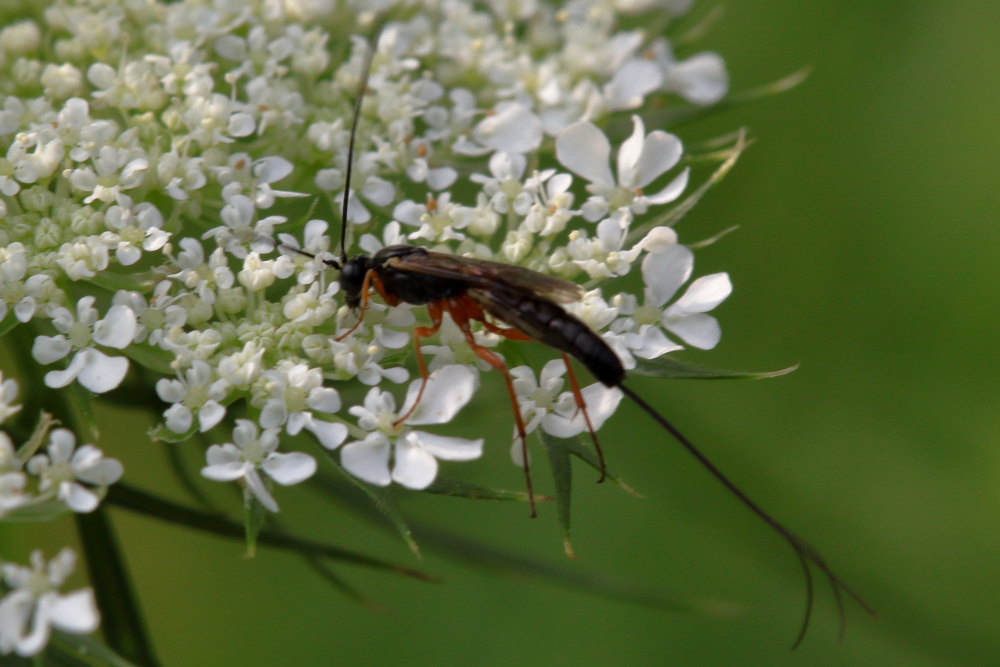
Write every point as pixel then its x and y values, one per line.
pixel 299 251
pixel 808 556
pixel 366 69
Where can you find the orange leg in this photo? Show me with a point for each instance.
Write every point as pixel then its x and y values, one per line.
pixel 506 332
pixel 463 310
pixel 581 406
pixel 435 311
pixel 371 279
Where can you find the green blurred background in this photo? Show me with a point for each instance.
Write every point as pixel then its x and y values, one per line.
pixel 866 252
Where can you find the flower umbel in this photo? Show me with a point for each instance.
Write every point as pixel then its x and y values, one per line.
pixel 169 216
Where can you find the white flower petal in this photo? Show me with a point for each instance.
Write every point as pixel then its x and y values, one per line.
pixel 48 349
pixel 415 467
pixel 75 612
pixel 629 154
pixel 513 127
pixel 78 497
pixel 117 329
pixel 324 399
pixel 584 150
pixel 368 459
pixel 664 272
pixel 287 469
pixel 448 389
pixel 704 294
pixel 701 79
pixel 209 415
pixel 697 330
pixel 271 169
pixel 17 617
pixel 631 83
pixel 127 255
pixel 225 472
pixel 273 414
pixel 660 152
pixel 650 342
pixel 178 418
pixel 100 372
pixel 672 190
pixel 59 379
pixel 329 434
pixel 446 447
pixel 104 473
pixel 379 191
pixel 259 490
pixel 601 403
pixel 241 124
pixel 441 178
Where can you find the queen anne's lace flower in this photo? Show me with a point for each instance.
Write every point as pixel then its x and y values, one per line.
pixel 392 452
pixel 664 272
pixel 294 393
pixel 71 474
pixel 252 452
pixel 543 403
pixel 33 605
pixel 584 150
pixel 95 370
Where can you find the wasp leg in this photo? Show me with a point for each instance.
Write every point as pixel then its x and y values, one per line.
pixel 581 406
pixel 462 310
pixel 507 332
pixel 435 311
pixel 371 280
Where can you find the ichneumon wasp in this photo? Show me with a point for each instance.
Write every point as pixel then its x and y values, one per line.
pixel 520 304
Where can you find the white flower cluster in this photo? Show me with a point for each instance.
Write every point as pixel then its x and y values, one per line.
pixel 34 486
pixel 147 168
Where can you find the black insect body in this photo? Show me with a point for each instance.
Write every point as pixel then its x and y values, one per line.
pixel 521 304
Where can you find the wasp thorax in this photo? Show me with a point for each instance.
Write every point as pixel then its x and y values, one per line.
pixel 352 278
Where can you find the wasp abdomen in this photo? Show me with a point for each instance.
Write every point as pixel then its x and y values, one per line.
pixel 550 324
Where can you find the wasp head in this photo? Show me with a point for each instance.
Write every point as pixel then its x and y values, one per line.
pixel 352 278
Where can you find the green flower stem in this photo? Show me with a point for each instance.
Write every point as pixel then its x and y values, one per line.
pixel 121 617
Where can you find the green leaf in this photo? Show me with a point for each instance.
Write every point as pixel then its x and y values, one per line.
pixel 562 475
pixel 675 115
pixel 386 504
pixel 37 512
pixel 150 357
pixel 672 368
pixel 83 401
pixel 8 323
pixel 127 497
pixel 577 447
pixel 69 649
pixel 138 281
pixel 455 487
pixel 161 433
pixel 728 156
pixel 489 557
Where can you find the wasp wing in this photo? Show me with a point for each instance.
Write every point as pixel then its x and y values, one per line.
pixel 485 275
